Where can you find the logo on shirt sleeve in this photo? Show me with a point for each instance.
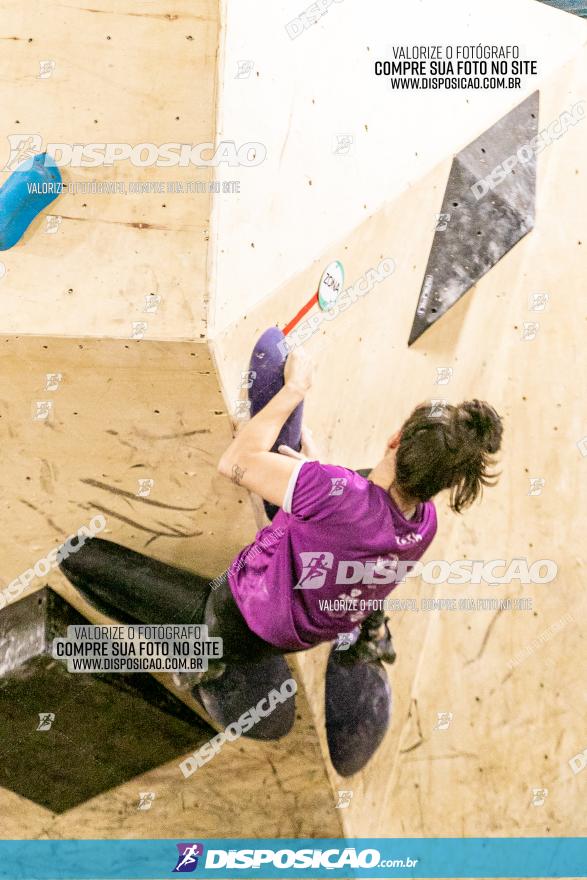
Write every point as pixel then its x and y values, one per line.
pixel 338 485
pixel 315 566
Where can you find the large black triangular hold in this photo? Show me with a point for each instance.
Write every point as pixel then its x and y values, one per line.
pixel 577 7
pixel 104 729
pixel 483 217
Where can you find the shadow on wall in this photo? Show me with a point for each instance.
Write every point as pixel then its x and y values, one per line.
pixel 577 7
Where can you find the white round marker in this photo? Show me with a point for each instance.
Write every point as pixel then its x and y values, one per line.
pixel 331 285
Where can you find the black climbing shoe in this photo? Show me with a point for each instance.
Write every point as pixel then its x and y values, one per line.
pixel 375 641
pixel 379 637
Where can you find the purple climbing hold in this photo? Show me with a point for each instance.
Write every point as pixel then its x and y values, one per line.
pixel 266 374
pixel 267 368
pixel 242 687
pixel 358 710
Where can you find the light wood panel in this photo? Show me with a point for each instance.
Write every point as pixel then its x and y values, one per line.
pixel 124 73
pixel 512 731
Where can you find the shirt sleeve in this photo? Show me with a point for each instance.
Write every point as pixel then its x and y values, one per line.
pixel 315 490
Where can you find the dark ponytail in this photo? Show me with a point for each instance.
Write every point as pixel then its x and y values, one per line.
pixel 449 447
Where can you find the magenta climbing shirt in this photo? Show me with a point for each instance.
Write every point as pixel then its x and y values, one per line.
pixel 328 555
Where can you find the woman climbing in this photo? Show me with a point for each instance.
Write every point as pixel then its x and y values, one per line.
pixel 338 537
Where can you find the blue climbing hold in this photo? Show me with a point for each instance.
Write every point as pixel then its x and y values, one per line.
pixel 29 189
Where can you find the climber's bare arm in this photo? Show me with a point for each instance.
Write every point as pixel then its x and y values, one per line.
pixel 248 461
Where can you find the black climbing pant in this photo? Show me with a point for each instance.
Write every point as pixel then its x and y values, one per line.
pixel 224 619
pixel 133 588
